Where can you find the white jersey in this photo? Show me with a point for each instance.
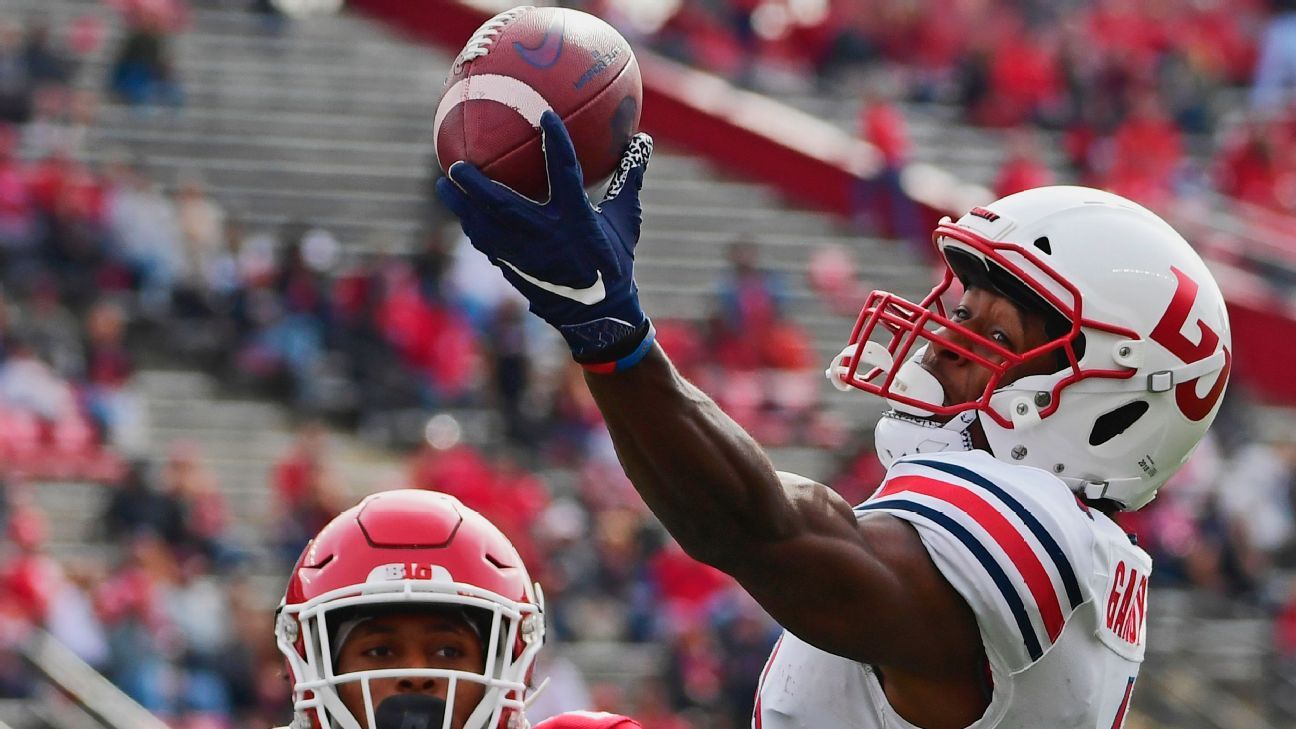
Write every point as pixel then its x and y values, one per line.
pixel 1059 593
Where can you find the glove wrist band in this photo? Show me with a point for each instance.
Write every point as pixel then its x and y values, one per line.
pixel 629 360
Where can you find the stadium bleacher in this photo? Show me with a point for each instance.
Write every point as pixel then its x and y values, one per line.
pixel 325 121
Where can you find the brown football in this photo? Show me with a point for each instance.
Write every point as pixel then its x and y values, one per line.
pixel 517 65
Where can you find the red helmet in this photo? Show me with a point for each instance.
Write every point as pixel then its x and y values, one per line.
pixel 589 720
pixel 397 548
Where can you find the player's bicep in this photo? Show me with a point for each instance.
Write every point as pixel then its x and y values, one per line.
pixel 864 589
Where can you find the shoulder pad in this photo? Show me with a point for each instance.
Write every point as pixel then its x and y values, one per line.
pixel 1012 540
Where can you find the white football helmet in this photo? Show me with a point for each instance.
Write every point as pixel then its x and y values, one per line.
pixel 1141 339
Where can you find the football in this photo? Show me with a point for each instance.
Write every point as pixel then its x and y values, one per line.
pixel 521 63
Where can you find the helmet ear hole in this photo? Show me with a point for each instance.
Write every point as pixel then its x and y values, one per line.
pixel 1114 422
pixel 1043 244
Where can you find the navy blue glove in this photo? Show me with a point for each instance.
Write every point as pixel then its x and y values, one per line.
pixel 574 262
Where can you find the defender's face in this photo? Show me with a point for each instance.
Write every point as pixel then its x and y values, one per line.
pixel 413 640
pixel 995 317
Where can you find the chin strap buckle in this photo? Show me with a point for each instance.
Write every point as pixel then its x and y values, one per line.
pixel 1095 490
pixel 1162 381
pixel 1165 380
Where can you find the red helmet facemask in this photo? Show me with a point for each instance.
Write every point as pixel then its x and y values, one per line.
pixel 902 328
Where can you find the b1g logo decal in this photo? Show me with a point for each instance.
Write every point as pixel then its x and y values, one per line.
pixel 1169 334
pixel 408 571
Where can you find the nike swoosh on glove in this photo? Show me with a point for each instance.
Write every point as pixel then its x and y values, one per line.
pixel 572 260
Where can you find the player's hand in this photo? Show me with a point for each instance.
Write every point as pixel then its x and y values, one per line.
pixel 572 260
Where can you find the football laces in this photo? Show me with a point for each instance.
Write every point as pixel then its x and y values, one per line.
pixel 480 42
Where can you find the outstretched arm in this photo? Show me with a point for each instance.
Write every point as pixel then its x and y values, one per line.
pixel 862 589
pixel 704 477
pixel 865 589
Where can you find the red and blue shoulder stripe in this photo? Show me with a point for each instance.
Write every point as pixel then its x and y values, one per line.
pixel 1025 562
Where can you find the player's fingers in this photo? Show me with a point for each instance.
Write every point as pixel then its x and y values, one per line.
pixel 566 181
pixel 628 178
pixel 480 188
pixel 621 208
pixel 495 199
pixel 481 226
pixel 453 197
pixel 471 218
pixel 625 213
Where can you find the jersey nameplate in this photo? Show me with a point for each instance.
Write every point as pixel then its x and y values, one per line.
pixel 1124 620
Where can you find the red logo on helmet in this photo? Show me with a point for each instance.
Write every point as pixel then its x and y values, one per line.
pixel 409 571
pixel 1169 334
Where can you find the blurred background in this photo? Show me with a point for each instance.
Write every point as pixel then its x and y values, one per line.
pixel 230 307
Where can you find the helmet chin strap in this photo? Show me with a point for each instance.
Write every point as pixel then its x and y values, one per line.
pixel 899 434
pixel 905 430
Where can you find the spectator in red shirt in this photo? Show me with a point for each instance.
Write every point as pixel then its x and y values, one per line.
pixel 206 515
pixel 786 346
pixel 1023 79
pixel 1147 150
pixel 517 499
pixel 834 277
pixel 682 339
pixel 18 212
pixel 684 586
pixel 108 369
pixel 1247 165
pixel 695 672
pixel 1129 28
pixel 433 338
pixel 48 178
pixel 140 636
pixel 321 500
pixel 1149 139
pixel 446 464
pixel 749 296
pixel 881 205
pixel 109 364
pixel 882 125
pixel 1285 631
pixel 1022 169
pixel 292 472
pixel 30 578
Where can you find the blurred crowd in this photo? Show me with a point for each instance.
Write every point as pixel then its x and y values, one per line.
pixel 106 266
pixel 162 612
pixel 1166 102
pixel 105 263
pixel 66 267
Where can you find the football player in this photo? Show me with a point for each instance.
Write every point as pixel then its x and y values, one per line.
pixel 412 611
pixel 984 583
